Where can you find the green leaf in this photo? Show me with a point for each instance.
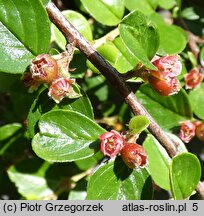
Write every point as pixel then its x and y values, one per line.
pixel 185 173
pixel 41 180
pixel 66 136
pixel 158 162
pixel 190 13
pixel 202 56
pixel 43 104
pixel 24 32
pixel 34 183
pixel 118 55
pixel 78 21
pixel 197 101
pixel 166 4
pixel 45 2
pixel 115 181
pixel 140 36
pixel 138 123
pixel 142 5
pixel 173 39
pixel 8 130
pixel 106 12
pixel 167 111
pixel 87 163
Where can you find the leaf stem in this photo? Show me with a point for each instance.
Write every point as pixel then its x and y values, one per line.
pixel 111 74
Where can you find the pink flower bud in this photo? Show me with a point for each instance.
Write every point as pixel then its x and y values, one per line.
pixel 164 80
pixel 193 78
pixel 111 143
pixel 187 131
pixel 60 88
pixel 168 66
pixel 165 86
pixel 134 155
pixel 44 68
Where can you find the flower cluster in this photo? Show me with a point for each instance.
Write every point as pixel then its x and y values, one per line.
pixel 189 130
pixel 45 69
pixel 164 80
pixel 113 143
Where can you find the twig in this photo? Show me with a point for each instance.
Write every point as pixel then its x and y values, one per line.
pixel 112 75
pixel 108 37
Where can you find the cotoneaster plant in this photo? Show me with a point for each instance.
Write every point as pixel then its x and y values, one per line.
pixel 101 102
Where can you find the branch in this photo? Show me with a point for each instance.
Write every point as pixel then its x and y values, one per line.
pixel 112 75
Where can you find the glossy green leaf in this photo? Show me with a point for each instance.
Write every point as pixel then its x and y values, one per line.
pixel 118 55
pixel 66 136
pixel 138 123
pixel 115 181
pixel 78 21
pixel 173 39
pixel 158 162
pixel 8 130
pixel 24 32
pixel 140 36
pixel 166 4
pixel 202 56
pixel 43 104
pixel 197 100
pixel 41 180
pixel 142 5
pixel 107 12
pixel 167 111
pixel 185 173
pixel 34 183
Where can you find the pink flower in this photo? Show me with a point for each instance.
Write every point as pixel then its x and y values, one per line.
pixel 168 66
pixel 111 143
pixel 164 80
pixel 60 88
pixel 187 131
pixel 134 155
pixel 193 78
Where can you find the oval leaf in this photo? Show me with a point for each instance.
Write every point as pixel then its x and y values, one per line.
pixel 138 123
pixel 78 21
pixel 43 104
pixel 185 173
pixel 197 101
pixel 66 136
pixel 115 181
pixel 24 32
pixel 9 130
pixel 118 55
pixel 140 36
pixel 107 12
pixel 173 39
pixel 172 109
pixel 159 162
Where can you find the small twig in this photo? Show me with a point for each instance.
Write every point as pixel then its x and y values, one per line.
pixel 134 73
pixel 108 37
pixel 114 77
pixel 192 39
